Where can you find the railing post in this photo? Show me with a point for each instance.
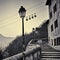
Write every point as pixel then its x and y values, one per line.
pixel 37 55
pixel 40 54
pixel 24 58
pixel 33 56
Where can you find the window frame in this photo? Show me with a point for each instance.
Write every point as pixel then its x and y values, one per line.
pixel 55 8
pixel 58 41
pixel 51 27
pixel 50 14
pixel 56 23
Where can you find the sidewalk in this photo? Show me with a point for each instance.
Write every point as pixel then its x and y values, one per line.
pixel 46 48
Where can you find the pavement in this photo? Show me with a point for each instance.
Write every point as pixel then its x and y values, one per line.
pixel 46 48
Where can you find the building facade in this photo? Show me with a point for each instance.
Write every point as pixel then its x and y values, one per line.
pixel 54 23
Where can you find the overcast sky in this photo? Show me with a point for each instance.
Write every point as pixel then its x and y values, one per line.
pixel 10 22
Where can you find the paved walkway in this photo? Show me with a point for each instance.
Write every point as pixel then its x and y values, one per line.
pixel 47 48
pixel 49 59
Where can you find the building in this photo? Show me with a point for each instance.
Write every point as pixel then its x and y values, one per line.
pixel 54 23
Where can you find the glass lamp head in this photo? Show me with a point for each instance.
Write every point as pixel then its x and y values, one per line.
pixel 22 12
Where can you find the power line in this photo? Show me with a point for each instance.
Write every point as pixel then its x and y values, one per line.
pixel 6 21
pixel 35 12
pixel 8 24
pixel 29 15
pixel 8 17
pixel 27 10
pixel 36 9
pixel 38 4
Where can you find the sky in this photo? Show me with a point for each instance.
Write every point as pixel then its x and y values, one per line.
pixel 10 21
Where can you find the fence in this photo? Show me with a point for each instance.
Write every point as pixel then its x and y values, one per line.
pixel 33 54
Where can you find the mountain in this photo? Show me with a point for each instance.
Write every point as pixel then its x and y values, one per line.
pixel 4 41
pixel 16 46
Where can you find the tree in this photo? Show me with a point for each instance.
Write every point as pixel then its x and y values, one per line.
pixel 1 56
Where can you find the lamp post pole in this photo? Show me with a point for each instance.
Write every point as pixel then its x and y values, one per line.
pixel 23 33
pixel 22 13
pixel 33 33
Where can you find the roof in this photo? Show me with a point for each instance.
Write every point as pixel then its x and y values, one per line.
pixel 48 2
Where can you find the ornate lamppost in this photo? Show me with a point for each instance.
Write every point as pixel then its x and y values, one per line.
pixel 22 13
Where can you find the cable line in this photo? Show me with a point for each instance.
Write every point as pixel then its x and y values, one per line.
pixel 34 6
pixel 30 16
pixel 8 17
pixel 8 24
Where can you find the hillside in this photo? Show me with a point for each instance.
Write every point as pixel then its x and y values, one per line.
pixel 4 41
pixel 16 46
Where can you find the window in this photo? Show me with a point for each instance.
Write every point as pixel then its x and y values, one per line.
pixel 51 27
pixel 52 41
pixel 55 8
pixel 50 14
pixel 58 41
pixel 56 24
pixel 55 42
pixel 49 2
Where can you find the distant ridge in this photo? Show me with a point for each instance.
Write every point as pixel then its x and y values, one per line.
pixel 4 41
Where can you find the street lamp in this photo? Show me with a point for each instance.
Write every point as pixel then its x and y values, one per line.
pixel 33 33
pixel 22 13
